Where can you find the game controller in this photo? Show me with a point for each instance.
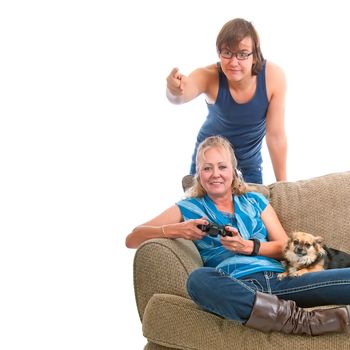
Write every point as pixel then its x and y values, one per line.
pixel 213 230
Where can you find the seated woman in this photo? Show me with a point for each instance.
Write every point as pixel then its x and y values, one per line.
pixel 239 278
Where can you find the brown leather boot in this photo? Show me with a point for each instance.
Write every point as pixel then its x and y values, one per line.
pixel 272 314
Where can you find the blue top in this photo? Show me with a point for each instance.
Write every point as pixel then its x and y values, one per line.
pixel 246 219
pixel 243 124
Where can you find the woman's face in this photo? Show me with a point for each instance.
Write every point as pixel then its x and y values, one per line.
pixel 234 69
pixel 216 172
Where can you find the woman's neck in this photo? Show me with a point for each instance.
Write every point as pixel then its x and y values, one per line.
pixel 224 204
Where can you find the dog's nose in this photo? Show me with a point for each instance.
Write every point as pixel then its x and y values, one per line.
pixel 300 251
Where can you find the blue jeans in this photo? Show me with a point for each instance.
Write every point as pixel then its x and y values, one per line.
pixel 233 298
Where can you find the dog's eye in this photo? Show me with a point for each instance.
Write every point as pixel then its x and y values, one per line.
pixel 295 242
pixel 307 245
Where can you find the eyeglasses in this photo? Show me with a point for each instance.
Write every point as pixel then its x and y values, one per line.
pixel 240 55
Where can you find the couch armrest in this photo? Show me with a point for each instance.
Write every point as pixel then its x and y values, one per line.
pixel 162 266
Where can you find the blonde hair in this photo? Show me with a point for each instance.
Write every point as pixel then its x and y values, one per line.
pixel 238 185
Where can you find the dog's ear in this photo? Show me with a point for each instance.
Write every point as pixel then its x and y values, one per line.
pixel 319 240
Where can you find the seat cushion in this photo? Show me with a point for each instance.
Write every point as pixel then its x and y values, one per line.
pixel 177 322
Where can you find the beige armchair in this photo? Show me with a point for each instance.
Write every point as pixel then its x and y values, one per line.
pixel 170 320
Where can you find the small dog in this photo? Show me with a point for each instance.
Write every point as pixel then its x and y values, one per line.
pixel 307 253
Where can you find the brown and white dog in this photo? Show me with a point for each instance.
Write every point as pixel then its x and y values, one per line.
pixel 305 252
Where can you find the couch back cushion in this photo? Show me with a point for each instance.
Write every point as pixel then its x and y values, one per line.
pixel 320 206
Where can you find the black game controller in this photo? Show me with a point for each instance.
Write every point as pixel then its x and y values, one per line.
pixel 213 230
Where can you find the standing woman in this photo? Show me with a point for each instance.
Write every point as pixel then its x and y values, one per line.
pixel 245 95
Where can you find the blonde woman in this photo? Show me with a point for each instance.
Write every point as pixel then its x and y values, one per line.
pixel 238 280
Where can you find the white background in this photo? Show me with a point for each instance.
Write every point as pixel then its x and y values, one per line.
pixel 90 147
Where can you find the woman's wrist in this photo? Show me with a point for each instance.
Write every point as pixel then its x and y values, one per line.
pixel 163 231
pixel 249 247
pixel 256 247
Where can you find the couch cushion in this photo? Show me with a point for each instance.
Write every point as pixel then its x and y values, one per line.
pixel 320 206
pixel 177 322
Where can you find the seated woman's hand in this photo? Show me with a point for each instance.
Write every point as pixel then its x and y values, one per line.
pixel 236 243
pixel 187 229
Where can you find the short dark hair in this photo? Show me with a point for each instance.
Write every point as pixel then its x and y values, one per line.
pixel 233 32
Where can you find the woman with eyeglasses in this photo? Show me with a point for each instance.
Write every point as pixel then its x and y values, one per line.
pixel 245 95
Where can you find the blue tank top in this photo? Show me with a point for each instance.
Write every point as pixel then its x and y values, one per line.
pixel 243 124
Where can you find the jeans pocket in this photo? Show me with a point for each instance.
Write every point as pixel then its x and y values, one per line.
pixel 254 284
pixel 269 275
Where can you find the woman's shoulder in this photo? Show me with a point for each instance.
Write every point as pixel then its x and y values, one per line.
pixel 207 79
pixel 274 72
pixel 256 198
pixel 272 67
pixel 210 70
pixel 193 200
pixel 275 79
pixel 206 76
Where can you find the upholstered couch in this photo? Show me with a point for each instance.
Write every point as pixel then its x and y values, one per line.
pixel 170 320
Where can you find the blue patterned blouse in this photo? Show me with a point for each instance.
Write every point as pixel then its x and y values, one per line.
pixel 246 219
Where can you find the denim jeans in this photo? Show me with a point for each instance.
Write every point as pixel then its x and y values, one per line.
pixel 233 298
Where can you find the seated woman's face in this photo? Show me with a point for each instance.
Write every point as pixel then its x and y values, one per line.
pixel 216 172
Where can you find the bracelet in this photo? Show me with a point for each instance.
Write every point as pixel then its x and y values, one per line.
pixel 162 227
pixel 256 247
